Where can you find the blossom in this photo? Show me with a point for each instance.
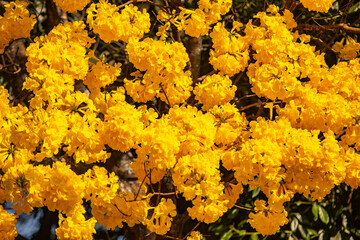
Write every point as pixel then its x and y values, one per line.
pixel 72 5
pixel 16 23
pixel 104 19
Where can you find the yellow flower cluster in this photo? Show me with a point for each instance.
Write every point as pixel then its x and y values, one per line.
pixel 296 153
pixel 160 221
pixel 280 58
pixel 159 146
pixel 348 51
pixel 55 61
pixel 170 138
pixel 164 77
pixel 7 225
pixel 231 125
pixel 230 54
pixel 16 23
pixel 214 90
pixel 102 190
pixel 56 187
pixel 122 136
pixel 197 177
pixel 105 20
pixel 195 235
pixel 72 5
pixel 267 220
pixel 74 226
pixel 352 162
pixel 196 129
pixel 319 6
pixel 282 161
pixel 283 58
pixel 100 75
pixel 167 20
pixel 197 22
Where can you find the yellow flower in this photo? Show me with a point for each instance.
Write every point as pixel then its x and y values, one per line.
pixel 16 23
pixel 74 226
pixel 7 225
pixel 72 5
pixel 214 90
pixel 104 19
pixel 195 235
pixel 161 218
pixel 267 220
pixel 319 6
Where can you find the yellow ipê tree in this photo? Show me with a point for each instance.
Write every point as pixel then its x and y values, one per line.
pixel 307 145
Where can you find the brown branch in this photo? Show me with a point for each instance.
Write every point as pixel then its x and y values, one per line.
pixel 204 76
pixel 244 208
pixel 243 97
pixel 341 26
pixel 142 1
pixel 121 211
pixel 194 47
pixel 258 104
pixel 325 45
pixel 165 194
pixel 252 105
pixel 167 99
pixel 191 230
pixel 142 183
pixel 53 17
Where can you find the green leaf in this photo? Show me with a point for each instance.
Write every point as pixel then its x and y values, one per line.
pixel 217 229
pixel 93 60
pixel 233 213
pixel 315 211
pixel 227 235
pixel 298 216
pixel 241 233
pixel 241 223
pixel 324 216
pixel 312 232
pixel 294 224
pixel 337 236
pixel 355 7
pixel 304 233
pixel 254 237
pixel 255 192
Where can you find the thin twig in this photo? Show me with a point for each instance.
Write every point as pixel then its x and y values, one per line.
pixel 165 194
pixel 244 208
pixel 191 230
pixel 137 1
pixel 121 211
pixel 204 76
pixel 252 105
pixel 142 183
pixel 167 99
pixel 341 26
pixel 325 45
pixel 246 96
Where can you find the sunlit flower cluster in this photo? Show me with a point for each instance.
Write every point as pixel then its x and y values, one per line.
pixel 319 6
pixel 16 23
pixel 104 19
pixel 197 22
pixel 214 90
pixel 182 132
pixel 7 224
pixel 72 5
pixel 163 66
pixel 230 54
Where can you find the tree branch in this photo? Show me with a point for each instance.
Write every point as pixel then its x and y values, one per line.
pixel 341 26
